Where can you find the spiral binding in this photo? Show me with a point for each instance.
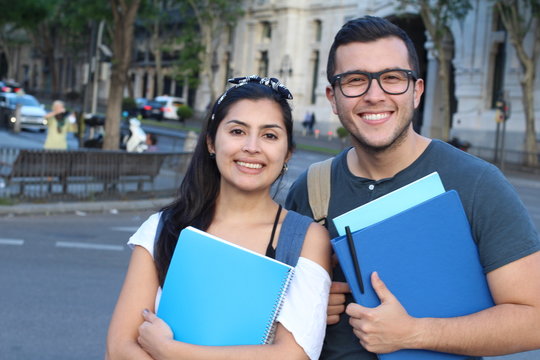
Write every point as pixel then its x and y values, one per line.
pixel 270 325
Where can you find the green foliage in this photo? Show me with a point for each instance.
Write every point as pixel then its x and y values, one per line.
pixel 184 112
pixel 439 12
pixel 212 15
pixel 128 104
pixel 342 132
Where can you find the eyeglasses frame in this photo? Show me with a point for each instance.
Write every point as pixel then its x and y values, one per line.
pixel 411 74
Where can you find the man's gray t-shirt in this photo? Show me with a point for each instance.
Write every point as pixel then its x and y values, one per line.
pixel 501 226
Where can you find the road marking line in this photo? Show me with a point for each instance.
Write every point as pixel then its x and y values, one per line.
pixel 78 245
pixel 130 229
pixel 17 242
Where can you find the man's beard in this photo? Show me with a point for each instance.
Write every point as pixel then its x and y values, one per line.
pixel 379 149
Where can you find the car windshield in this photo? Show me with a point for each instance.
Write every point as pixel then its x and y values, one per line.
pixel 24 100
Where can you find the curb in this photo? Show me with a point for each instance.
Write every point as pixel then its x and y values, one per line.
pixel 83 207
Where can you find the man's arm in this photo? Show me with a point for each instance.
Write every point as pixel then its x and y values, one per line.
pixel 511 326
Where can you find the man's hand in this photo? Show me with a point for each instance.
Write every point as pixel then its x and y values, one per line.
pixel 387 327
pixel 336 301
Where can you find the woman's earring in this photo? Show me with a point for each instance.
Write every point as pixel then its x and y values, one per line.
pixel 285 168
pixel 212 155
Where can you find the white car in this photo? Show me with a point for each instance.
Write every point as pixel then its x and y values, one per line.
pixel 32 112
pixel 170 104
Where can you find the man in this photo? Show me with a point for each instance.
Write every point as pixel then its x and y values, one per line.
pixel 374 89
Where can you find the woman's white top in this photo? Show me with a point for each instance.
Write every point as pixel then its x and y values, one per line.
pixel 304 309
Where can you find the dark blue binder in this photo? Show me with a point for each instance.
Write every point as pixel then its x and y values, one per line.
pixel 427 258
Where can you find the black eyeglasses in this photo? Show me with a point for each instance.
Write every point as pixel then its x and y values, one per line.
pixel 357 83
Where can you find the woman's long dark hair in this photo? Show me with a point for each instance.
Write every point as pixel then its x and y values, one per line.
pixel 197 194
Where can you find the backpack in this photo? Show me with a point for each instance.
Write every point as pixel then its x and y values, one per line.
pixel 319 185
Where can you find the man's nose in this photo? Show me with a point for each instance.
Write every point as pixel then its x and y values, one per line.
pixel 375 92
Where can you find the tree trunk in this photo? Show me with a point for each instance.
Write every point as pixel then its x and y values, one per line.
pixel 527 87
pixel 517 29
pixel 124 14
pixel 438 33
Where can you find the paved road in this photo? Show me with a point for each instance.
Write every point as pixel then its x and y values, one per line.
pixel 60 277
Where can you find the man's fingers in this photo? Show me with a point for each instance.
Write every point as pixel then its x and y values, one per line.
pixel 380 288
pixel 339 287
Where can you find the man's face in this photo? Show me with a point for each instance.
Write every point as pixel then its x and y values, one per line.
pixel 376 120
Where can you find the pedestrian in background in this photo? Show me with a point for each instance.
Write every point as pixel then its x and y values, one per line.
pixel 58 125
pixel 242 151
pixel 374 89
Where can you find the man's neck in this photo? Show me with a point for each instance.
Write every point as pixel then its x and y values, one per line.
pixel 385 164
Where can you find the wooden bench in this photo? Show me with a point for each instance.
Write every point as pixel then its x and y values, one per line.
pixel 110 168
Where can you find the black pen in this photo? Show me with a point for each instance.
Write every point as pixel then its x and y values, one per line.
pixel 354 259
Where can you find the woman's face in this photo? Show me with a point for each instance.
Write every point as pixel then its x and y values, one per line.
pixel 251 145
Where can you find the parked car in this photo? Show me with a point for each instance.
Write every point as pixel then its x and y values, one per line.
pixel 10 87
pixel 170 104
pixel 152 109
pixel 32 112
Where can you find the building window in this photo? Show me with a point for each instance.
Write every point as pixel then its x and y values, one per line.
pixel 318 30
pixel 315 77
pixel 266 30
pixel 499 61
pixel 263 64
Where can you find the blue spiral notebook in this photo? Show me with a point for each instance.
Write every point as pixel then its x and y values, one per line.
pixel 427 258
pixel 218 293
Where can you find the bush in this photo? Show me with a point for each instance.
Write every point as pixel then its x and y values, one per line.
pixel 342 132
pixel 129 104
pixel 184 112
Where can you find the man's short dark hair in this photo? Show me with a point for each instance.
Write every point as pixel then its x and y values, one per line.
pixel 367 29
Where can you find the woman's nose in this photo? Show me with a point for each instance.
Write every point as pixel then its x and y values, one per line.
pixel 251 145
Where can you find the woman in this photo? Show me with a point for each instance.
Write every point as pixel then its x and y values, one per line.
pixel 57 127
pixel 226 192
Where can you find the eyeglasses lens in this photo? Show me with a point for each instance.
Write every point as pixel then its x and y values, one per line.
pixel 392 82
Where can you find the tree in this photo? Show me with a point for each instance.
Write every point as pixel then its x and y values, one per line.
pixel 437 16
pixel 124 14
pixel 212 18
pixel 22 16
pixel 521 18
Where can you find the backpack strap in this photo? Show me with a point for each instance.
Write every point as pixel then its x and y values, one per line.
pixel 318 184
pixel 291 237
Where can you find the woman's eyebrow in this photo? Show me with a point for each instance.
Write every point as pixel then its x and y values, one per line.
pixel 242 123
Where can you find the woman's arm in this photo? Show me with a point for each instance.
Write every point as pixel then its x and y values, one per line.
pixel 317 246
pixel 138 293
pixel 156 338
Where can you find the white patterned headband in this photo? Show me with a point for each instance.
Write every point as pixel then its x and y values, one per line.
pixel 270 82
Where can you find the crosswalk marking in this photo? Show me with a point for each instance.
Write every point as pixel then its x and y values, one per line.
pixel 88 246
pixel 16 242
pixel 130 229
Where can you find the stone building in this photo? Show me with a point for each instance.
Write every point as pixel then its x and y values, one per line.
pixel 291 39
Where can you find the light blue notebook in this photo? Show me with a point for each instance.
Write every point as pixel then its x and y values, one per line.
pixel 218 293
pixel 390 204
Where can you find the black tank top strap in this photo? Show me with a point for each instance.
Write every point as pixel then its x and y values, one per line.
pixel 270 251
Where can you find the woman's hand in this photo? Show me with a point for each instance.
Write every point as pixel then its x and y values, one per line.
pixel 154 335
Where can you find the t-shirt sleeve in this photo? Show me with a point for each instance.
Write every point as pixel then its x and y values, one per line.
pixel 146 234
pixel 304 309
pixel 297 198
pixel 502 226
